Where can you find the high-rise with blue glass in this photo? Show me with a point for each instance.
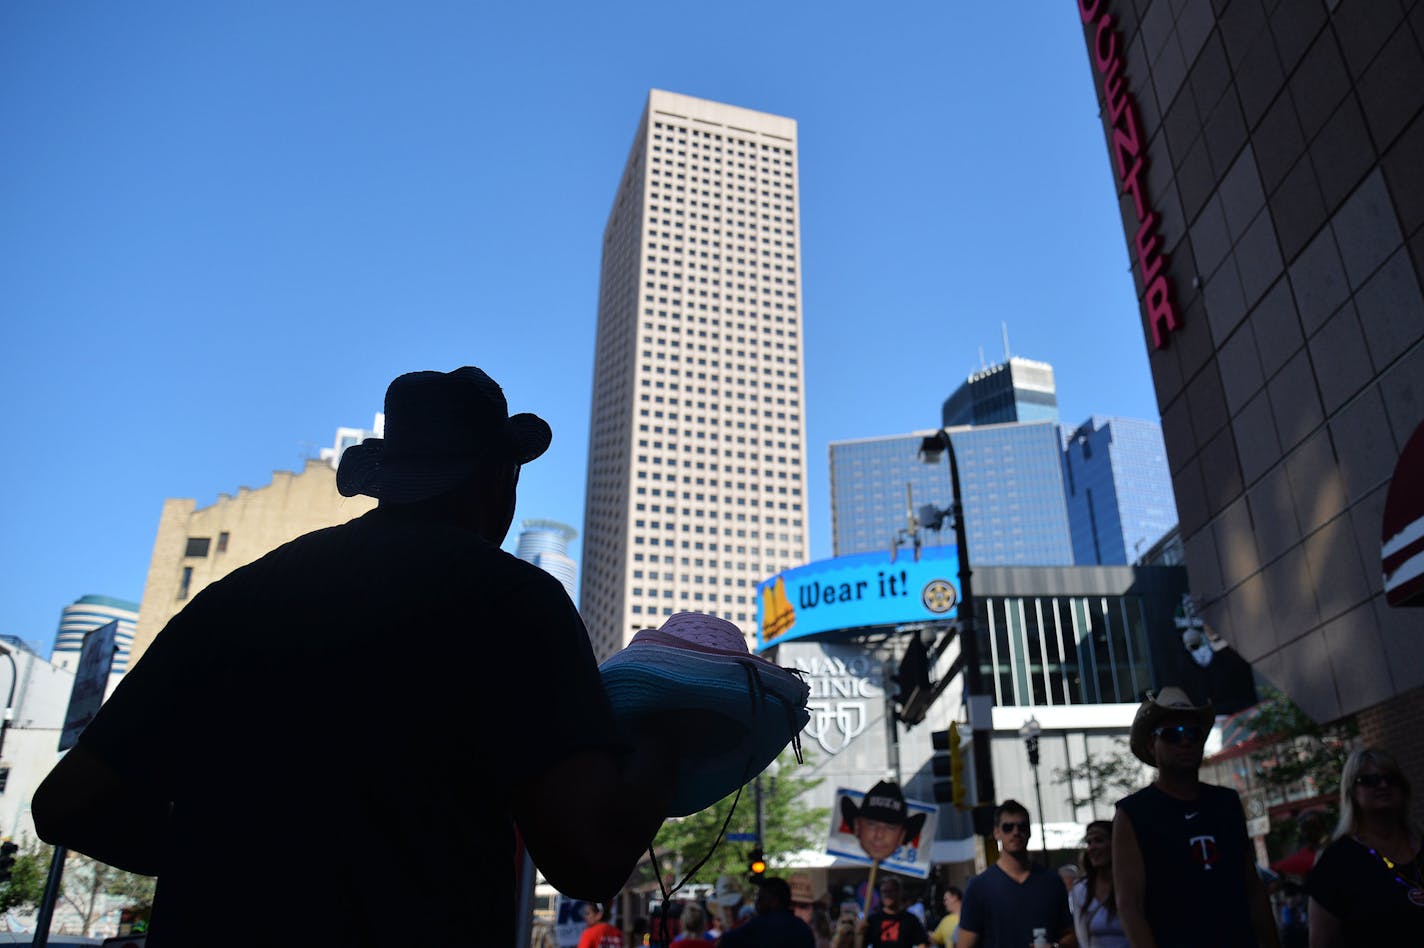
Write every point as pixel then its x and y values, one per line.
pixel 1013 390
pixel 1119 489
pixel 1011 477
pixel 545 543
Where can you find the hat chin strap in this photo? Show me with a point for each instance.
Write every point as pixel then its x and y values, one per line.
pixel 757 692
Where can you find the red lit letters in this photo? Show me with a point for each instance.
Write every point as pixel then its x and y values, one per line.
pixel 1128 151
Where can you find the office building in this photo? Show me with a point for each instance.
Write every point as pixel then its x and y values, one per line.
pixel 1267 158
pixel 1013 390
pixel 545 543
pixel 198 546
pixel 695 485
pixel 1119 489
pixel 86 614
pixel 1011 477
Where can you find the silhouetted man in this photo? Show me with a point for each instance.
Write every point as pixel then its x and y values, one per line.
pixel 348 729
pixel 775 925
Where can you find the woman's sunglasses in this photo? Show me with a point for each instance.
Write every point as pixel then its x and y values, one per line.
pixel 1178 734
pixel 1377 780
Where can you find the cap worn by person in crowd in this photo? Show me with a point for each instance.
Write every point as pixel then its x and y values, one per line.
pixel 727 892
pixel 440 426
pixel 1169 702
pixel 885 802
pixel 698 662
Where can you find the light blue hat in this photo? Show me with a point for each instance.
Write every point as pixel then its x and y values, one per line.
pixel 700 662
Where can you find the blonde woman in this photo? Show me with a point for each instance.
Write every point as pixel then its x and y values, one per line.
pixel 1367 888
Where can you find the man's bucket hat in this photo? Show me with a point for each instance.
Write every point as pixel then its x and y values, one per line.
pixel 1166 703
pixel 885 802
pixel 700 662
pixel 439 427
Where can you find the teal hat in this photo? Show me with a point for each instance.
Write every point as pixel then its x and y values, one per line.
pixel 698 662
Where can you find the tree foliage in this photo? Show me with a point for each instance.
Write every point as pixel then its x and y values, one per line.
pixel 1305 752
pixel 1103 778
pixel 89 887
pixel 27 877
pixel 788 826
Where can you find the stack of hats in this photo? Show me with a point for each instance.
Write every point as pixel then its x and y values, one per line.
pixel 698 662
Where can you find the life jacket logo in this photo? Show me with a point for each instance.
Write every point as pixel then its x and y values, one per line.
pixel 1204 852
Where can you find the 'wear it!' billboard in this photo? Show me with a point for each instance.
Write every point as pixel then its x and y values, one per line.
pixel 856 592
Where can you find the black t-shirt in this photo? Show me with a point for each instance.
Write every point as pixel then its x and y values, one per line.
pixel 340 727
pixel 1195 860
pixel 1004 913
pixel 1373 905
pixel 894 930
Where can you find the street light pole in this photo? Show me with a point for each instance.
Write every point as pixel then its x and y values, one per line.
pixel 930 449
pixel 1030 733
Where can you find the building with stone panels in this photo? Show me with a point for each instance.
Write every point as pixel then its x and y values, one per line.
pixel 197 546
pixel 696 471
pixel 1267 160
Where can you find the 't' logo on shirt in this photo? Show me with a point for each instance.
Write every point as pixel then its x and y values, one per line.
pixel 1204 851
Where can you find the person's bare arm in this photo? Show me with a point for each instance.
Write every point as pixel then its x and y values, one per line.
pixel 86 805
pixel 1262 921
pixel 1128 884
pixel 1325 928
pixel 967 939
pixel 587 819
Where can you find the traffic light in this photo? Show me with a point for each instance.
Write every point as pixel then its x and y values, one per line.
pixel 7 859
pixel 913 679
pixel 756 865
pixel 948 762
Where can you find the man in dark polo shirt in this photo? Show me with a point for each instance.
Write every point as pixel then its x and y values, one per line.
pixel 334 744
pixel 1006 902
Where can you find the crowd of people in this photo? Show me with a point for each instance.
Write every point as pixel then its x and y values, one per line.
pixel 1174 869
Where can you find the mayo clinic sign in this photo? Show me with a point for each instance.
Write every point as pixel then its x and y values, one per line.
pixel 858 592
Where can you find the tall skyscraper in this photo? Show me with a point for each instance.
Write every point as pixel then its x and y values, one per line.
pixel 696 484
pixel 1011 477
pixel 88 613
pixel 545 543
pixel 1013 390
pixel 1120 499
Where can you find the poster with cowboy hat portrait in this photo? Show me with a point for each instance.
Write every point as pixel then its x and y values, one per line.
pixel 881 826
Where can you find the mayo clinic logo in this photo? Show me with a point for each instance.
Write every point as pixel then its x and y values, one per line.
pixel 938 596
pixel 840 691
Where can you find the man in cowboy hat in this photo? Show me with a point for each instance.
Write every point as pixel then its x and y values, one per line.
pixel 1184 870
pixel 882 823
pixel 358 720
pixel 1006 902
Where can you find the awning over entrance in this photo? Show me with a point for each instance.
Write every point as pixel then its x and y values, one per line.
pixel 1402 542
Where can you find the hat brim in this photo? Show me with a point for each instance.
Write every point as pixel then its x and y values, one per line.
pixel 760 720
pixel 366 469
pixel 912 823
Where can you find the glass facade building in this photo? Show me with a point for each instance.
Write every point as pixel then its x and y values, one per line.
pixel 1119 489
pixel 1012 480
pixel 1014 390
pixel 545 543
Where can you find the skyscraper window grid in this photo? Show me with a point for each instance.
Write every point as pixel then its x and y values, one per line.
pixel 695 483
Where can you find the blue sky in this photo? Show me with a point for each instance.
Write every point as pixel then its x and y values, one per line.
pixel 224 228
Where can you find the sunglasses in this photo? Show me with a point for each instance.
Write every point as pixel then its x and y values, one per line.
pixel 1180 733
pixel 1012 827
pixel 1377 780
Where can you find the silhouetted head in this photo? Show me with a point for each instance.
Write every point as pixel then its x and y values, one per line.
pixel 450 451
